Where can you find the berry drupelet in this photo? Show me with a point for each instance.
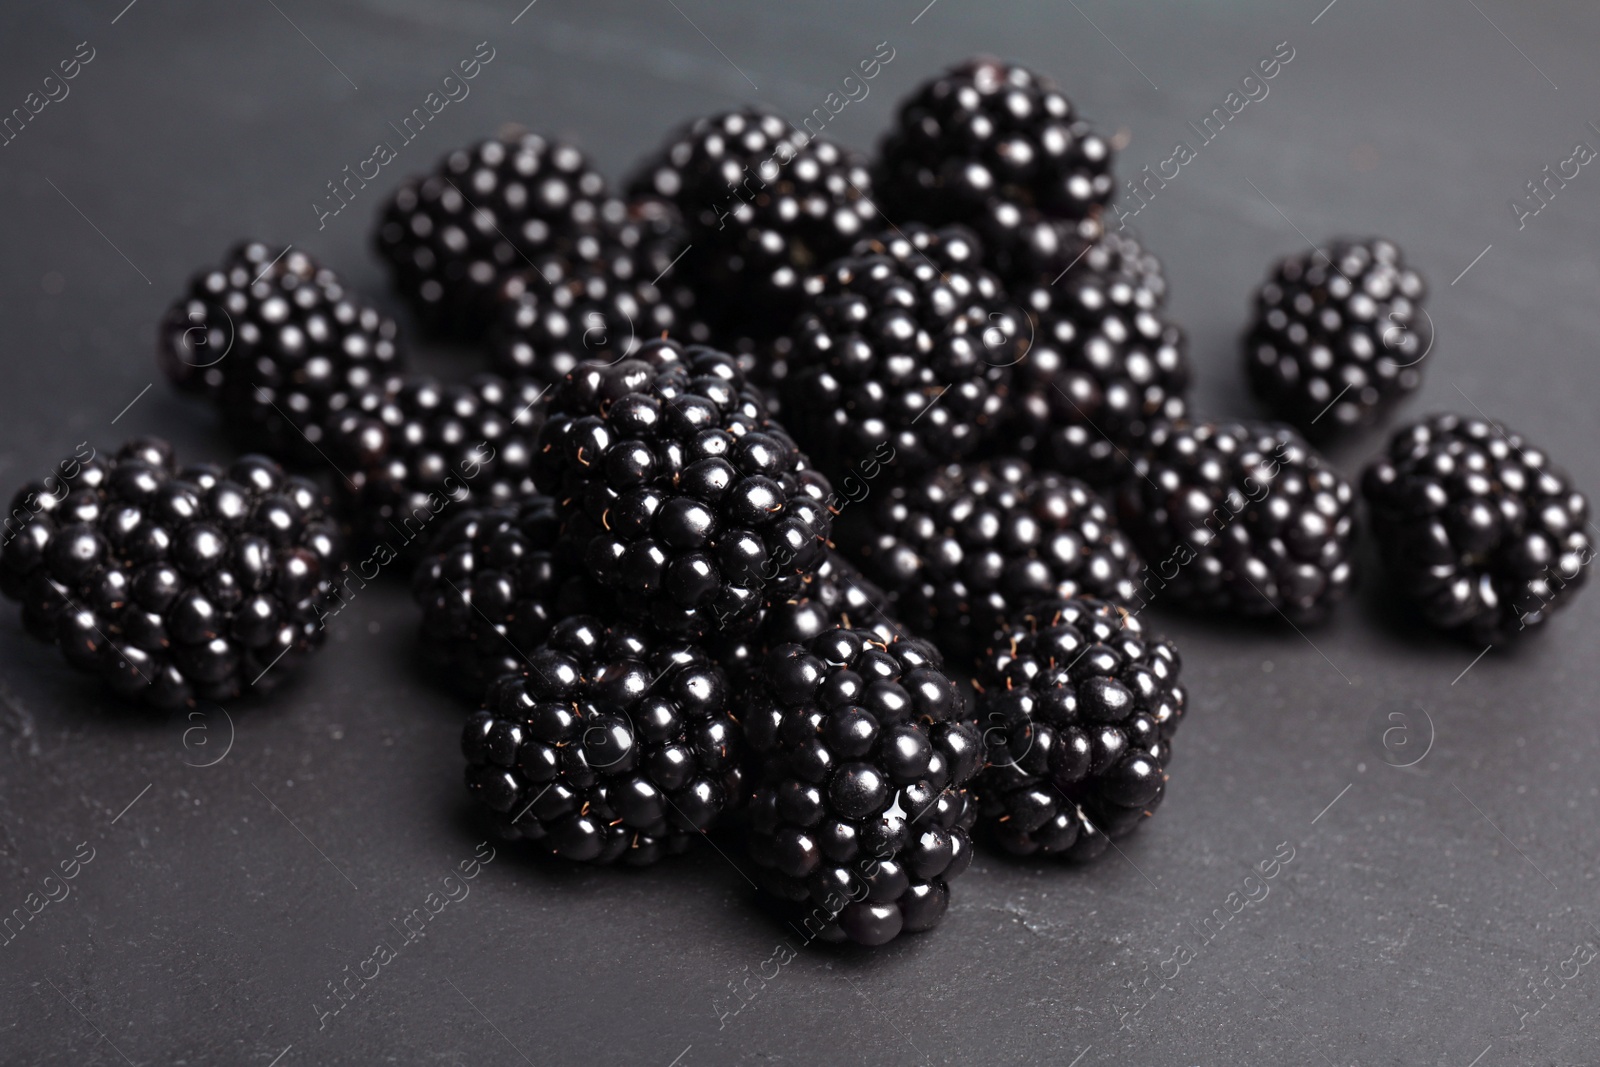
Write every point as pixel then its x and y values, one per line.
pixel 1078 706
pixel 900 360
pixel 999 148
pixel 492 584
pixel 173 584
pixel 1241 518
pixel 1477 527
pixel 1338 337
pixel 1104 365
pixel 453 236
pixel 280 346
pixel 427 446
pixel 764 205
pixel 690 502
pixel 608 746
pixel 863 752
pixel 965 547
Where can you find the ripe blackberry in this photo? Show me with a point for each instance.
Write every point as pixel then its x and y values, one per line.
pixel 691 503
pixel 452 236
pixel 1079 705
pixel 1338 337
pixel 834 595
pixel 279 346
pixel 999 148
pixel 1477 527
pixel 1241 518
pixel 546 328
pixel 607 746
pixel 966 547
pixel 428 446
pixel 172 584
pixel 764 205
pixel 860 814
pixel 901 360
pixel 492 584
pixel 1103 366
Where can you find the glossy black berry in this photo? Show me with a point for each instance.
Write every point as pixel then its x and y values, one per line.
pixel 452 237
pixel 863 749
pixel 999 148
pixel 690 502
pixel 1246 519
pixel 1477 527
pixel 900 356
pixel 281 348
pixel 431 448
pixel 1339 336
pixel 173 584
pixel 607 746
pixel 559 313
pixel 764 205
pixel 493 582
pixel 1078 704
pixel 967 546
pixel 1102 367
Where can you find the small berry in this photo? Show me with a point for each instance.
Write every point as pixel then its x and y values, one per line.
pixel 1339 337
pixel 1477 527
pixel 173 584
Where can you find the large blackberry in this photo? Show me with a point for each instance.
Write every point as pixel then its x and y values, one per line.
pixel 428 446
pixel 1338 337
pixel 998 147
pixel 690 501
pixel 1079 706
pixel 899 356
pixel 1246 519
pixel 965 547
pixel 452 236
pixel 492 584
pixel 1477 527
pixel 279 345
pixel 764 205
pixel 560 313
pixel 1103 366
pixel 607 746
pixel 172 584
pixel 833 595
pixel 860 814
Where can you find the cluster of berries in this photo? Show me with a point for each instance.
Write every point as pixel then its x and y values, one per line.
pixel 772 519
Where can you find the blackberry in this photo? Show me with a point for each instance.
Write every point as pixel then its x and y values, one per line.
pixel 1103 366
pixel 860 814
pixel 428 445
pixel 492 584
pixel 899 358
pixel 1241 518
pixel 691 503
pixel 764 205
pixel 278 344
pixel 998 147
pixel 965 547
pixel 1079 705
pixel 608 746
pixel 172 584
pixel 1338 337
pixel 1477 527
pixel 451 237
pixel 834 595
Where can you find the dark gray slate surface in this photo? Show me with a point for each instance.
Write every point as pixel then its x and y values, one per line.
pixel 1421 914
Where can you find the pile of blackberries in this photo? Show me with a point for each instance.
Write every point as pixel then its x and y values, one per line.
pixel 816 502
